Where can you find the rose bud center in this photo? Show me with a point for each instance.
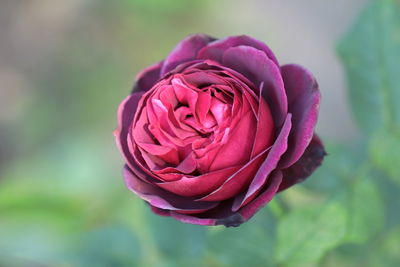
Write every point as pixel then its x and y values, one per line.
pixel 195 122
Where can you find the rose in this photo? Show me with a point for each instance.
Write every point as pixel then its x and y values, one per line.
pixel 215 130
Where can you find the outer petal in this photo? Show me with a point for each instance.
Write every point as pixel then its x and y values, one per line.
pixel 162 199
pixel 215 50
pixel 303 97
pixel 258 68
pixel 203 184
pixel 185 51
pixel 246 212
pixel 126 112
pixel 239 180
pixel 221 215
pixel 306 165
pixel 148 77
pixel 193 219
pixel 266 167
pixel 159 211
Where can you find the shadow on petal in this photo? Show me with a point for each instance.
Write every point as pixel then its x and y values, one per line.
pixel 306 165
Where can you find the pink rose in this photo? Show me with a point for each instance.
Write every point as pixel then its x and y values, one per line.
pixel 215 130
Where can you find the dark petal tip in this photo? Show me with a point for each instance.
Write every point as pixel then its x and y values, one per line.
pixel 232 221
pixel 306 165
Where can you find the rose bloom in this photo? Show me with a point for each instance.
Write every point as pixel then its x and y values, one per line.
pixel 214 131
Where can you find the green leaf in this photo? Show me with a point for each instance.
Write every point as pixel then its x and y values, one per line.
pixel 384 150
pixel 387 251
pixel 30 244
pixel 337 168
pixel 251 244
pixel 114 245
pixel 365 210
pixel 304 235
pixel 371 55
pixel 178 242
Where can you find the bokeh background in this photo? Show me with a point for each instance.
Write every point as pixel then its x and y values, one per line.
pixel 66 65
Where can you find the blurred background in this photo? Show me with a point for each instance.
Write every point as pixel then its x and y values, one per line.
pixel 66 65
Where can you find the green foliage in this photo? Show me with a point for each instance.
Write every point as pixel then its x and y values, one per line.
pixel 107 246
pixel 339 166
pixel 365 209
pixel 385 154
pixel 387 253
pixel 251 244
pixel 371 53
pixel 181 242
pixel 305 234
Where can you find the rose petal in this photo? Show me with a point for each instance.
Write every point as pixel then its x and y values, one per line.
pixel 221 215
pixel 199 185
pixel 148 77
pixel 192 220
pixel 184 94
pixel 303 97
pixel 160 198
pixel 200 79
pixel 236 182
pixel 257 67
pixel 270 163
pixel 237 149
pixel 158 211
pixel 203 105
pixel 186 50
pixel 216 49
pixel 310 160
pixel 271 188
pixel 265 127
pixel 126 112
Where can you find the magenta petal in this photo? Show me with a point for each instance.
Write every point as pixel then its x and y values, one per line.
pixel 303 97
pixel 239 144
pixel 192 220
pixel 215 50
pixel 159 211
pixel 245 213
pixel 259 69
pixel 185 51
pixel 148 77
pixel 270 163
pixel 126 112
pixel 160 198
pixel 222 216
pixel 265 128
pixel 195 186
pixel 236 182
pixel 310 160
pixel 250 209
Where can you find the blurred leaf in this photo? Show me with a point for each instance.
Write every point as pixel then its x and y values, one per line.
pixel 371 54
pixel 348 255
pixel 386 254
pixel 251 244
pixel 304 235
pixel 134 212
pixel 30 243
pixel 114 245
pixel 338 167
pixel 299 196
pixel 26 203
pixel 390 193
pixel 385 154
pixel 178 242
pixel 365 210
